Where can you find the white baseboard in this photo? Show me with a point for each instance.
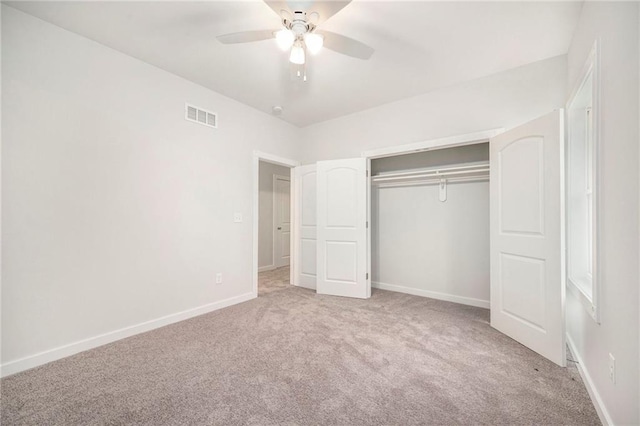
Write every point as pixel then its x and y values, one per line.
pixel 266 268
pixel 604 415
pixel 433 294
pixel 54 354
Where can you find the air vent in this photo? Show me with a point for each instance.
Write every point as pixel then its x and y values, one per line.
pixel 198 115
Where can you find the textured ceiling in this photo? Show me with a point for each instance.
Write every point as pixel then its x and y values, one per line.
pixel 419 46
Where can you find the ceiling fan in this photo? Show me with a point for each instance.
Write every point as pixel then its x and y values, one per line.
pixel 299 33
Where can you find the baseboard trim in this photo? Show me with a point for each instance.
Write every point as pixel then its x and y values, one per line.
pixel 432 294
pixel 26 363
pixel 266 268
pixel 603 414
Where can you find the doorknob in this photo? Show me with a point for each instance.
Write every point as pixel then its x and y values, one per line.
pixel 279 228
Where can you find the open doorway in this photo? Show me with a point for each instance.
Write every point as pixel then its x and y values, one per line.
pixel 273 227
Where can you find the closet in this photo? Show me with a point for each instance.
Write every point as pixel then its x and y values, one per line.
pixel 476 219
pixel 430 224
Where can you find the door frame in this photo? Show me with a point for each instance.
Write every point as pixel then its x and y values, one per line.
pixel 275 178
pixel 440 143
pixel 280 161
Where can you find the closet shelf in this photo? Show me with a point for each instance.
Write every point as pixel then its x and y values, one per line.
pixel 469 172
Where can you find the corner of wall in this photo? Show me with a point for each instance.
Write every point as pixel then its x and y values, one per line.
pixel 616 27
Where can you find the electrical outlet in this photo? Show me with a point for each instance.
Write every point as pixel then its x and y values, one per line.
pixel 612 369
pixel 218 278
pixel 237 217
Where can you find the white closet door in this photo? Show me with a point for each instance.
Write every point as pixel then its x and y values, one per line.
pixel 527 235
pixel 305 259
pixel 342 228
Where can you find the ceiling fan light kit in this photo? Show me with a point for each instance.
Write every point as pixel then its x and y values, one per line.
pixel 297 54
pixel 298 36
pixel 313 42
pixel 310 42
pixel 285 39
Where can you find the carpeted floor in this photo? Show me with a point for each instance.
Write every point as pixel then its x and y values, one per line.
pixel 293 357
pixel 277 279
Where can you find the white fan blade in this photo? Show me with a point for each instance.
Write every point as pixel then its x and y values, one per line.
pixel 278 7
pixel 246 36
pixel 313 17
pixel 345 45
pixel 286 15
pixel 325 9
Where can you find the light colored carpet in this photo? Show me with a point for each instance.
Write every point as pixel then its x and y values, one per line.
pixel 277 279
pixel 293 357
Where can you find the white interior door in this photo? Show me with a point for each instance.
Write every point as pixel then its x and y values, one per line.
pixel 342 228
pixel 527 235
pixel 282 221
pixel 305 259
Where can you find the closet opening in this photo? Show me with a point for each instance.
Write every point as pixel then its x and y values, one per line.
pixel 430 224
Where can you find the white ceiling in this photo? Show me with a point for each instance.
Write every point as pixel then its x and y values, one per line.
pixel 420 46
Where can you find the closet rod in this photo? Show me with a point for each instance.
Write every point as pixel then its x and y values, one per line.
pixel 433 181
pixel 434 174
pixel 478 165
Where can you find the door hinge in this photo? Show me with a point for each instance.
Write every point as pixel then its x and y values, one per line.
pixel 367 275
pixel 366 173
pixel 367 224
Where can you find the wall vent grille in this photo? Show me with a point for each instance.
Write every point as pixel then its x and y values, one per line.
pixel 201 116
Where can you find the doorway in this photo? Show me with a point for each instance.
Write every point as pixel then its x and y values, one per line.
pixel 272 223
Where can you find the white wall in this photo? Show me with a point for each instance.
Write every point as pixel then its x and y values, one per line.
pixel 116 210
pixel 432 248
pixel 616 26
pixel 501 100
pixel 265 225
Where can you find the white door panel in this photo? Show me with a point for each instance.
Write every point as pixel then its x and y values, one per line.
pixel 527 235
pixel 305 259
pixel 521 166
pixel 282 222
pixel 342 265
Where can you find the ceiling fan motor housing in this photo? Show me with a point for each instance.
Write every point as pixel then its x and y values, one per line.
pixel 299 24
pixel 299 28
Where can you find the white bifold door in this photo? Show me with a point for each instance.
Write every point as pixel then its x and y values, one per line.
pixel 527 235
pixel 331 228
pixel 342 206
pixel 305 258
